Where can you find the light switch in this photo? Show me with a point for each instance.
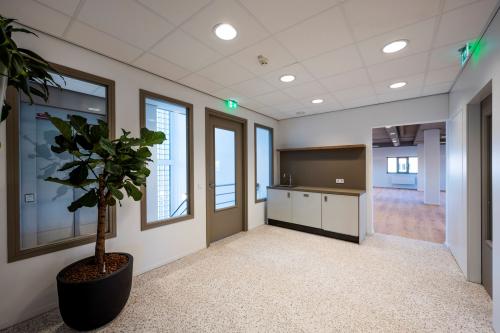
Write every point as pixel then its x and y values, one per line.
pixel 29 197
pixel 339 180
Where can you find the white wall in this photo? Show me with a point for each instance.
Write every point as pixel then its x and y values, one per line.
pixel 355 126
pixel 28 286
pixel 483 68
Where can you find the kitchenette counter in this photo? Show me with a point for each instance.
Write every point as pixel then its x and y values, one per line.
pixel 326 190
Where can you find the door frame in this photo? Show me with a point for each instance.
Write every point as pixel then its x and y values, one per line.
pixel 214 113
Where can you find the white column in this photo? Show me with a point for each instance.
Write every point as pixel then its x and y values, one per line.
pixel 432 156
pixel 421 168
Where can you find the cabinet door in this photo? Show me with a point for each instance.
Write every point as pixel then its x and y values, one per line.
pixel 306 209
pixel 279 205
pixel 339 213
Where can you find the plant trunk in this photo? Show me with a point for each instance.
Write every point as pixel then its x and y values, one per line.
pixel 101 227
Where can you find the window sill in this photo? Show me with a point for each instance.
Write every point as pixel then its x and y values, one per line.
pixel 153 225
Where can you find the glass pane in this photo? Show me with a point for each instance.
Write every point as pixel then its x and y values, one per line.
pixel 263 162
pixel 413 164
pixel 167 185
pixel 402 165
pixel 44 217
pixel 225 168
pixel 392 165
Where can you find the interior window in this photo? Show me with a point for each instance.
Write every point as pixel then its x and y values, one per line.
pixel 402 165
pixel 263 161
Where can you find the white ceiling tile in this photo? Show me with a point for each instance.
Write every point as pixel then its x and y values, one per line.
pixel 200 83
pixel 356 103
pixel 439 88
pixel 277 55
pixel 253 87
pixel 225 11
pixel 464 23
pixel 301 76
pixel 226 72
pixel 185 51
pixel 126 20
pixel 160 66
pixel 335 62
pixel 228 93
pixel 452 4
pixel 400 67
pixel 271 13
pixel 442 75
pixel 399 95
pixel 175 11
pixel 35 15
pixel 446 56
pixel 100 42
pixel 273 98
pixel 289 107
pixel 370 18
pixel 419 36
pixel 305 90
pixel 361 92
pixel 68 7
pixel 253 104
pixel 414 82
pixel 317 35
pixel 347 80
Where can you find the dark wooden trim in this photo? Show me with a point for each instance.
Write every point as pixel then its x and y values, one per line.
pixel 15 252
pixel 311 230
pixel 323 148
pixel 143 94
pixel 211 112
pixel 271 130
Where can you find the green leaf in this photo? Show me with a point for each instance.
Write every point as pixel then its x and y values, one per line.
pixel 133 191
pixel 151 138
pixel 63 126
pixel 5 111
pixel 67 182
pixel 79 175
pixel 89 199
pixel 114 169
pixel 116 193
pixel 79 123
pixel 69 165
pixel 107 146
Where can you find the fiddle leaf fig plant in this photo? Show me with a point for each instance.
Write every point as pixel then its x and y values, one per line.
pixel 102 167
pixel 21 68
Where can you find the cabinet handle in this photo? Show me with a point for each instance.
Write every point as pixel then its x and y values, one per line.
pixel 288 194
pixel 326 198
pixel 306 195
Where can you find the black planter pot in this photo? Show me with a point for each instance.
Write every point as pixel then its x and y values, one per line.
pixel 88 305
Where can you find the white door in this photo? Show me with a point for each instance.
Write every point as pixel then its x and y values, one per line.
pixel 306 209
pixel 340 214
pixel 279 205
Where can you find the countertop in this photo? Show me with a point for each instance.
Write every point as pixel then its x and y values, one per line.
pixel 328 190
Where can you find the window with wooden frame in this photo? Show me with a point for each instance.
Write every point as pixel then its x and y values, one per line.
pixel 38 219
pixel 263 161
pixel 168 195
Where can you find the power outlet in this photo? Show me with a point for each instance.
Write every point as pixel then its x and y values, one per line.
pixel 339 180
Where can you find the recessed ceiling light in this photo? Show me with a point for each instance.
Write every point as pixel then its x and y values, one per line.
pixel 317 101
pixel 388 126
pixel 397 85
pixel 287 78
pixel 395 46
pixel 225 31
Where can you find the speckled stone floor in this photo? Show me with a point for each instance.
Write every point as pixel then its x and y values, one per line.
pixel 277 280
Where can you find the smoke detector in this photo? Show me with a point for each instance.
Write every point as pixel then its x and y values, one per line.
pixel 262 60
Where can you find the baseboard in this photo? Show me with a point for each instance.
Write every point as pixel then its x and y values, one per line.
pixel 311 230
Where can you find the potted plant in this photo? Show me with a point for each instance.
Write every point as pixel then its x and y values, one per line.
pixel 20 68
pixel 93 291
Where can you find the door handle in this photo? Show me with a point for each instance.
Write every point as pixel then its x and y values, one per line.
pixel 212 186
pixel 306 195
pixel 326 198
pixel 288 194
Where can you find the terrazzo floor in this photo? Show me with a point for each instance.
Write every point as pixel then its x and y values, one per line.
pixel 277 280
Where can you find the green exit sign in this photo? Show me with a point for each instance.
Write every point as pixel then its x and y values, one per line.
pixel 465 53
pixel 231 104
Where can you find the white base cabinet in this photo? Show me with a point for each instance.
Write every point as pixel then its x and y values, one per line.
pixel 279 205
pixel 306 209
pixel 340 214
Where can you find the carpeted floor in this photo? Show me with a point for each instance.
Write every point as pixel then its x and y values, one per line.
pixel 277 280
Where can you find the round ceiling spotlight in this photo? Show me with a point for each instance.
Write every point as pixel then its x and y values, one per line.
pixel 395 46
pixel 287 78
pixel 397 85
pixel 225 31
pixel 317 101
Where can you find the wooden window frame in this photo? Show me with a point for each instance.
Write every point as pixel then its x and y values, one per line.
pixel 15 252
pixel 271 166
pixel 143 94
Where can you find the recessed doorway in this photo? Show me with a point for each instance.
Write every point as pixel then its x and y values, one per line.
pixel 409 181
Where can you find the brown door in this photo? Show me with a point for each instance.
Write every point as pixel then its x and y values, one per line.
pixel 225 160
pixel 486 211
